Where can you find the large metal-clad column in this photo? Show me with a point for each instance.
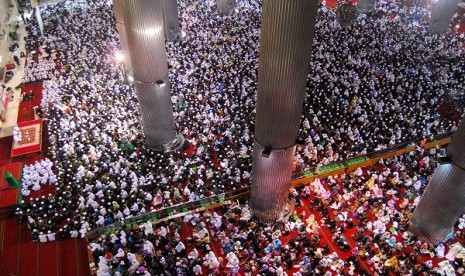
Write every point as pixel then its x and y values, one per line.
pixel 171 20
pixel 441 16
pixel 118 9
pixel 286 41
pixel 443 202
pixel 144 28
pixel 225 6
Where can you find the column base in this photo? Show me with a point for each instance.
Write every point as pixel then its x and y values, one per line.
pixel 440 206
pixel 173 36
pixel 287 212
pixel 441 15
pixel 365 6
pixel 176 37
pixel 175 145
pixel 225 7
pixel 271 178
pixel 157 114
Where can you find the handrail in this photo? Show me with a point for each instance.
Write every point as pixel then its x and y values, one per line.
pixel 169 211
pixel 205 202
pixel 371 155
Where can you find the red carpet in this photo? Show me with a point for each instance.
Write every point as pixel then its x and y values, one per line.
pixel 28 251
pixel 48 259
pixel 9 197
pixel 18 254
pixel 31 134
pixel 66 250
pixel 11 234
pixel 26 111
pixel 5 150
pixel 8 263
pixel 10 249
pixel 80 257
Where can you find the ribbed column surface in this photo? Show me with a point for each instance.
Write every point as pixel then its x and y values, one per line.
pixel 366 5
pixel 118 7
pixel 441 205
pixel 270 177
pixel 225 6
pixel 157 113
pixel 171 19
pixel 441 15
pixel 143 20
pixel 286 42
pixel 456 149
pixel 124 47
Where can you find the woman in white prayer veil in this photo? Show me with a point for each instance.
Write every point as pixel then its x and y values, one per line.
pixel 454 249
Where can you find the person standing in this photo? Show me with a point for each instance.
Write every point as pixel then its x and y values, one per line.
pixel 16 59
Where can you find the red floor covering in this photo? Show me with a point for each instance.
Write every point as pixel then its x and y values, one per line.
pixel 187 230
pixel 19 255
pixel 9 197
pixel 26 107
pixel 325 239
pixel 67 267
pixel 49 264
pixel 28 251
pixel 33 143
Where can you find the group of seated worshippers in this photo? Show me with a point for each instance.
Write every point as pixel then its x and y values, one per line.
pixel 36 175
pixel 108 173
pixel 360 229
pixel 376 84
pixel 41 70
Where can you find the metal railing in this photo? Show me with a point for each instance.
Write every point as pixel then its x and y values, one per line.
pixel 168 211
pixel 361 158
pixel 205 202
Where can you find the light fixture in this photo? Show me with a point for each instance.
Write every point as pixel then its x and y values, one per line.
pixel 266 152
pixel 119 57
pixel 151 31
pixel 444 160
pixel 161 83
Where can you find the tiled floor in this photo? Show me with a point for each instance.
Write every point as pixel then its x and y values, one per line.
pixel 7 57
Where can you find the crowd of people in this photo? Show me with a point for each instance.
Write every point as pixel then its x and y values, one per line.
pixel 378 84
pixel 370 86
pixel 36 175
pixel 38 71
pixel 359 227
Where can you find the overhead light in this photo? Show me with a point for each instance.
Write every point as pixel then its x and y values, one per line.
pixel 119 57
pixel 151 31
pixel 444 160
pixel 161 83
pixel 266 152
